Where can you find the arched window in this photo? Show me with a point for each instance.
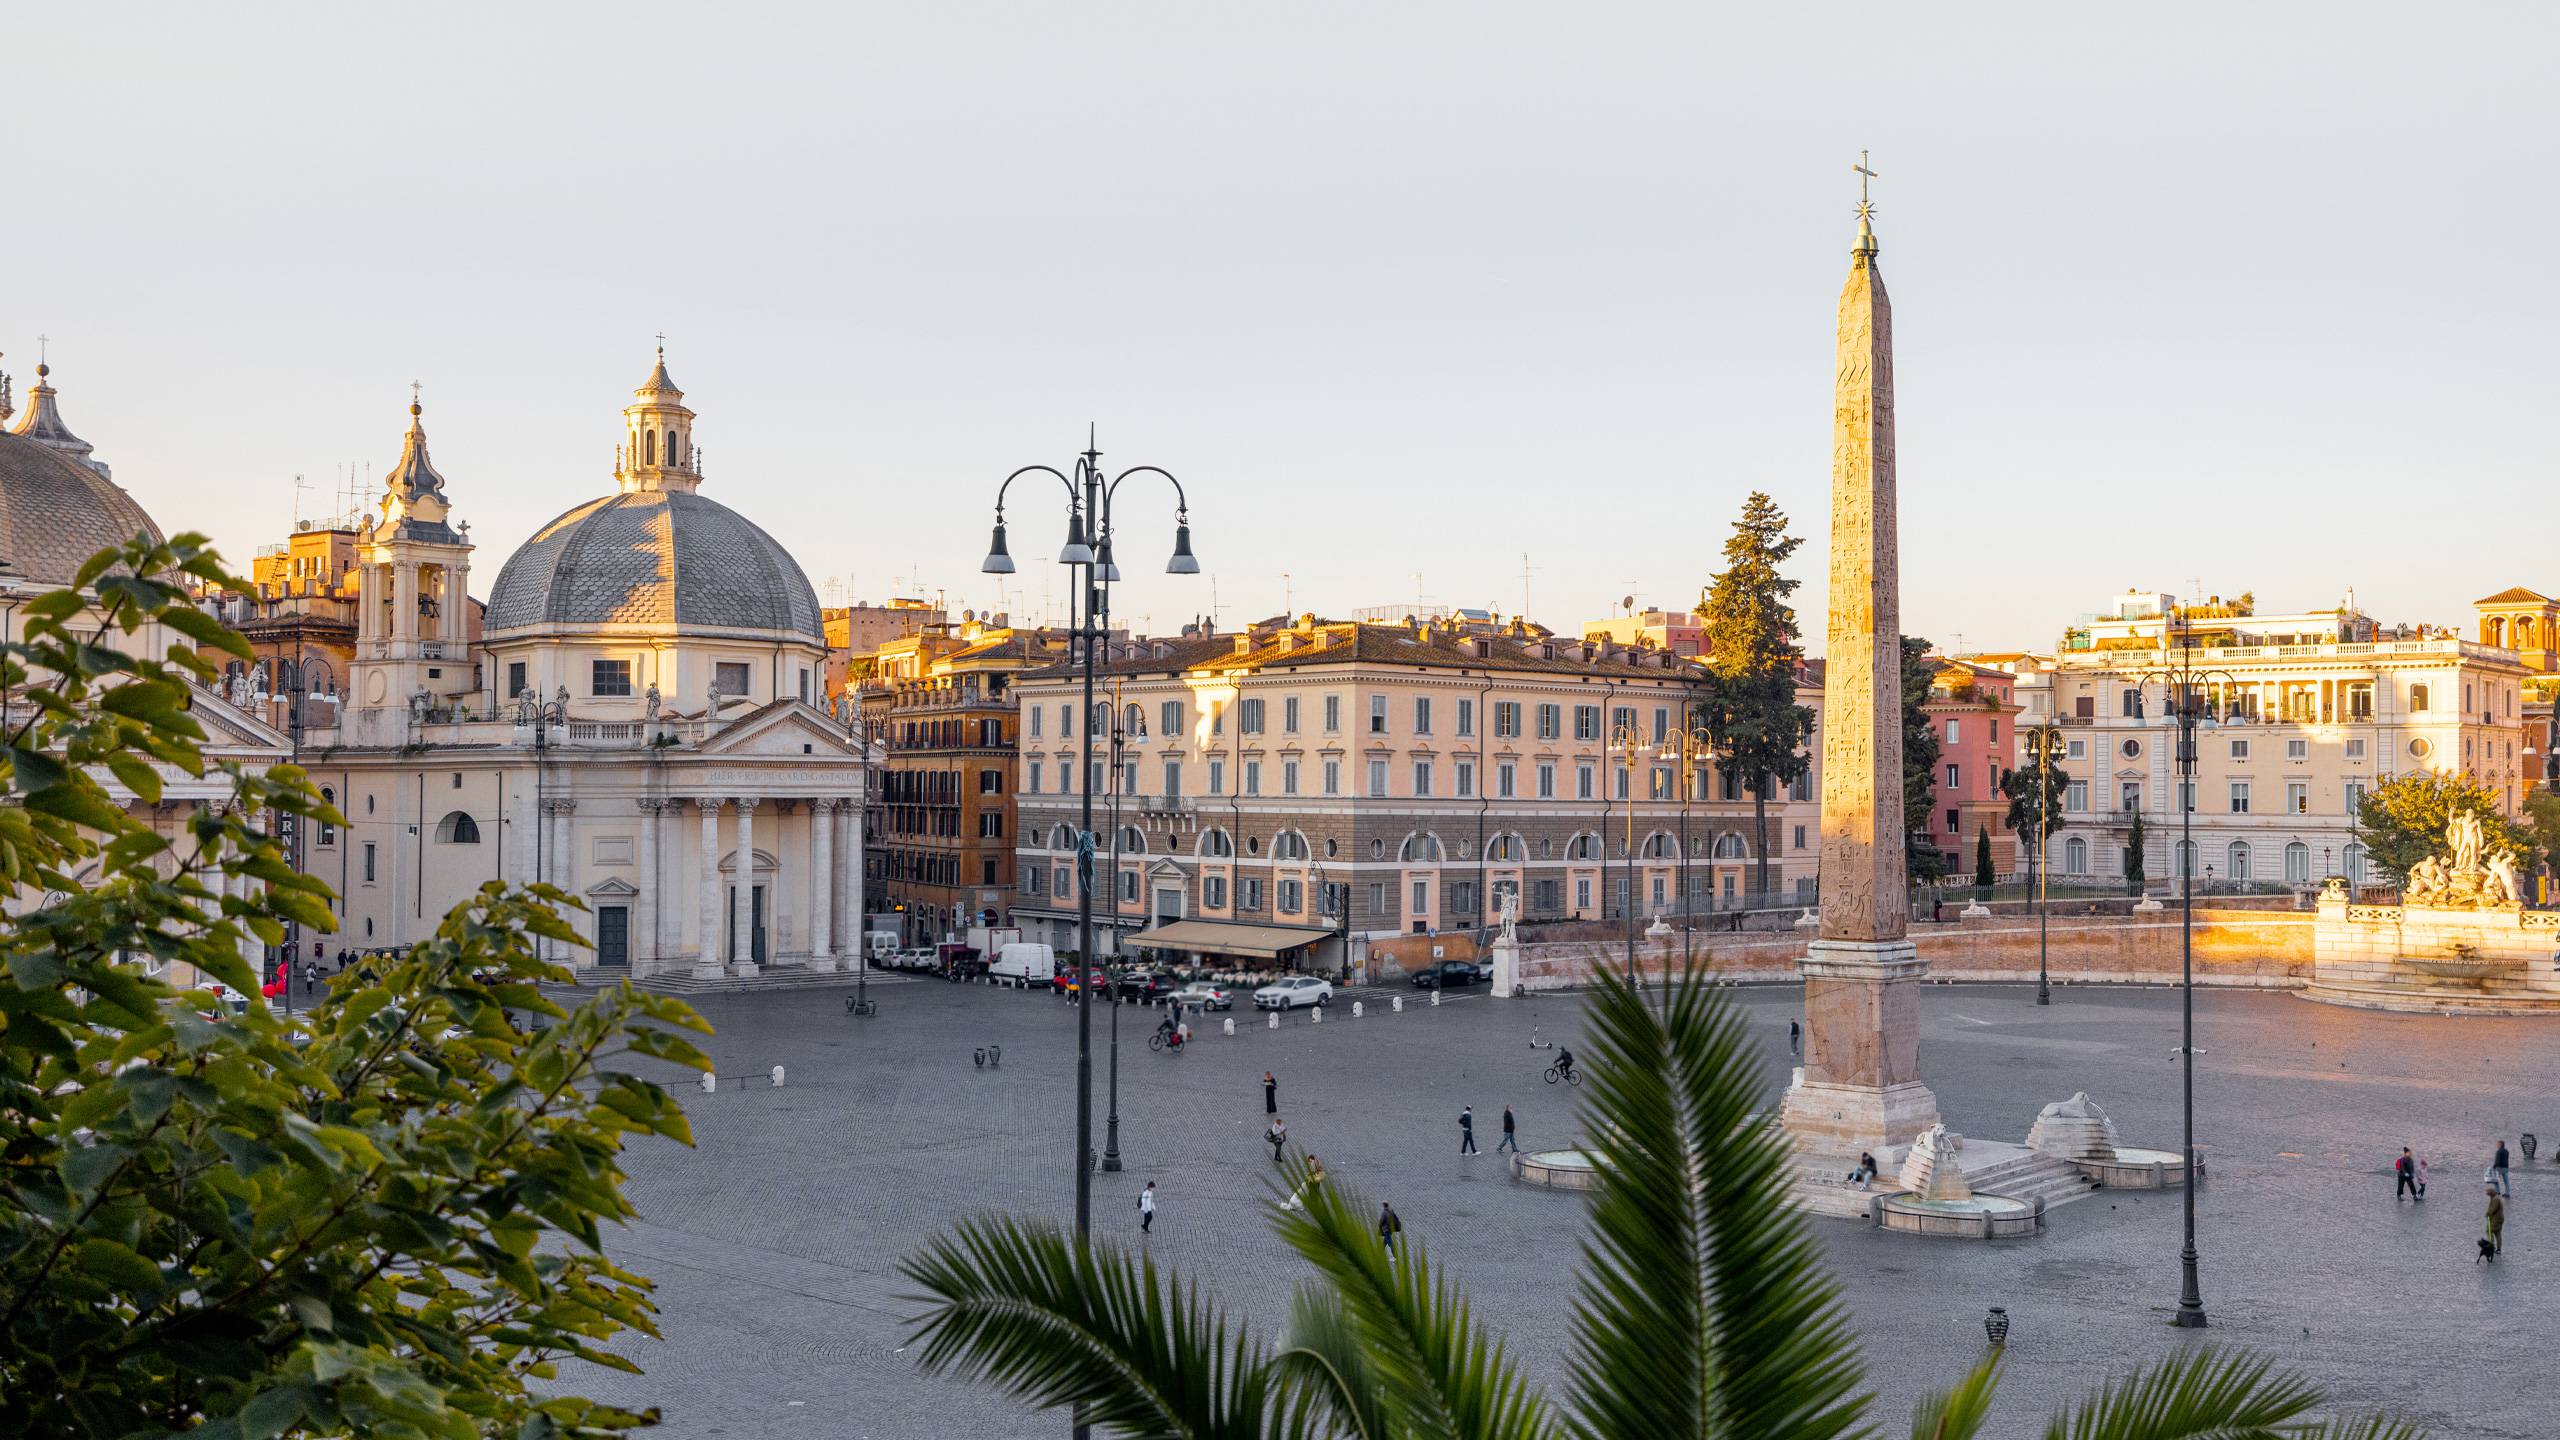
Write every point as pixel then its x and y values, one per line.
pixel 2238 859
pixel 649 439
pixel 1729 847
pixel 1288 845
pixel 1133 722
pixel 1101 717
pixel 1216 845
pixel 1658 846
pixel 2524 632
pixel 2075 856
pixel 328 832
pixel 2494 631
pixel 1133 841
pixel 1063 838
pixel 1505 850
pixel 458 829
pixel 1420 850
pixel 2297 863
pixel 1585 846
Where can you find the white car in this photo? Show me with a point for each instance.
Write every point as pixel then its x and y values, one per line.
pixel 1293 992
pixel 1203 995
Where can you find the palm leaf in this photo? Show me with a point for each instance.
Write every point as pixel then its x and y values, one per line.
pixel 1025 1308
pixel 1433 1372
pixel 2200 1394
pixel 1958 1413
pixel 1704 1309
pixel 1325 1380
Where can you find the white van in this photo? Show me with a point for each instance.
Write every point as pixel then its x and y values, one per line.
pixel 1023 963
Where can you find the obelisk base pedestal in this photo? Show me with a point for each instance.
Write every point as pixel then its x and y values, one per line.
pixel 1859 1090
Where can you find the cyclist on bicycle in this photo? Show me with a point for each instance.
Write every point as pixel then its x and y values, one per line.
pixel 1171 1032
pixel 1564 1062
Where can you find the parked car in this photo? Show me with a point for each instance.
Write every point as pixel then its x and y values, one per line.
pixel 1446 972
pixel 1292 992
pixel 1066 983
pixel 1204 995
pixel 1146 985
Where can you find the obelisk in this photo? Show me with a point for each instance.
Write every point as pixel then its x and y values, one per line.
pixel 1860 1086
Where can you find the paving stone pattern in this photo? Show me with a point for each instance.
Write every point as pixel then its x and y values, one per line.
pixel 774 1242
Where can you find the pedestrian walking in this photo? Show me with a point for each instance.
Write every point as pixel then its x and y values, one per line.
pixel 1390 1225
pixel 1937 912
pixel 1147 1208
pixel 1466 1130
pixel 1278 1135
pixel 1270 1094
pixel 1510 1140
pixel 2495 1240
pixel 1795 1037
pixel 2407 1169
pixel 2422 1177
pixel 2498 1165
pixel 1315 1176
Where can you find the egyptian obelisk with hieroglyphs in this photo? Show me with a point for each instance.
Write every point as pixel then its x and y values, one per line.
pixel 1860 1086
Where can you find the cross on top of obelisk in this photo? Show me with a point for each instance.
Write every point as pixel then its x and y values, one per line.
pixel 1866 208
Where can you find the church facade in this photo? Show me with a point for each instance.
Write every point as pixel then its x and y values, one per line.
pixel 640 722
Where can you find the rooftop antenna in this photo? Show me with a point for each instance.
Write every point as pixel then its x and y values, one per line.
pixel 1288 596
pixel 1525 573
pixel 299 485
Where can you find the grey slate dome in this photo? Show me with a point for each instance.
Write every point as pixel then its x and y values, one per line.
pixel 56 512
pixel 663 559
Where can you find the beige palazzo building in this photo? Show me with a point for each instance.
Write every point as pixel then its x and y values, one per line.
pixel 640 723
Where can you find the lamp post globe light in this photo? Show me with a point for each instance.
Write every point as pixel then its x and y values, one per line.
pixel 1090 496
pixel 1630 745
pixel 2187 690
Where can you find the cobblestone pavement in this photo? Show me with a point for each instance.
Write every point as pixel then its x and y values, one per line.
pixel 774 1241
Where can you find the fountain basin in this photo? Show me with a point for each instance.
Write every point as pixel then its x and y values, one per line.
pixel 2133 1169
pixel 1555 1169
pixel 1981 1217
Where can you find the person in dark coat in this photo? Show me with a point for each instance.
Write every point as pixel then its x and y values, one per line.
pixel 2407 1169
pixel 1270 1094
pixel 2498 1163
pixel 1466 1130
pixel 1510 1141
pixel 1390 1225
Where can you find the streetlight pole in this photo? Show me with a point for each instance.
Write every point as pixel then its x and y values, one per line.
pixel 2187 706
pixel 1111 1127
pixel 1628 742
pixel 2042 743
pixel 1087 554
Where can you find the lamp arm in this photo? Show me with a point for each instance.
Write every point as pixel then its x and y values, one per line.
pixel 1073 499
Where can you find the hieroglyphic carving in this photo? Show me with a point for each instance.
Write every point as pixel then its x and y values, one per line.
pixel 1862 840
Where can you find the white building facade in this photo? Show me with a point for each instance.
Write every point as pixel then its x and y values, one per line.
pixel 641 726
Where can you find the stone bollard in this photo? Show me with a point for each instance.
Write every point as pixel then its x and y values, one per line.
pixel 710 1082
pixel 1275 1021
pixel 1356 1013
pixel 1396 1003
pixel 1435 995
pixel 1315 1014
pixel 777 1077
pixel 1231 1024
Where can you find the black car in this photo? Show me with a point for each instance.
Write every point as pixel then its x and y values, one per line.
pixel 1146 985
pixel 1447 972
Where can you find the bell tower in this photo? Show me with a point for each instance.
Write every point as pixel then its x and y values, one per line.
pixel 413 635
pixel 657 441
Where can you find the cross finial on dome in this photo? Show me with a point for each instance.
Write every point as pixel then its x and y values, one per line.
pixel 415 409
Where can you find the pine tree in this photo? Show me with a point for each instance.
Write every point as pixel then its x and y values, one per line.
pixel 1749 698
pixel 1919 763
pixel 1984 877
pixel 2133 856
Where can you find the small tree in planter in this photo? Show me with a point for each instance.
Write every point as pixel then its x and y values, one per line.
pixel 2133 849
pixel 1984 877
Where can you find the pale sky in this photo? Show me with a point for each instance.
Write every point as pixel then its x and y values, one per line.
pixel 2244 295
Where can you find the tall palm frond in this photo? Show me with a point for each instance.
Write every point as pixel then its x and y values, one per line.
pixel 1434 1372
pixel 1704 1307
pixel 2204 1394
pixel 1958 1413
pixel 1324 1381
pixel 1022 1306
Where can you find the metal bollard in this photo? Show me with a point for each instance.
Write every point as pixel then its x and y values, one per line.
pixel 777 1077
pixel 1397 1004
pixel 710 1082
pixel 1435 995
pixel 1355 1010
pixel 982 1057
pixel 995 1057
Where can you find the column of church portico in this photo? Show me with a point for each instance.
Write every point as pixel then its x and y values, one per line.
pixel 742 942
pixel 643 935
pixel 559 853
pixel 822 825
pixel 521 837
pixel 706 962
pixel 849 936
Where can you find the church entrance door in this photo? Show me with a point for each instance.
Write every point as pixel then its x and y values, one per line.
pixel 613 936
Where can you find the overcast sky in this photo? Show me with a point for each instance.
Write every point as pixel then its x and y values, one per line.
pixel 2249 296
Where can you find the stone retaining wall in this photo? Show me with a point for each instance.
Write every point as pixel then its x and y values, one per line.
pixel 2248 948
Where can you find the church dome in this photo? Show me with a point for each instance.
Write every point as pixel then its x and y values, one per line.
pixel 56 512
pixel 657 560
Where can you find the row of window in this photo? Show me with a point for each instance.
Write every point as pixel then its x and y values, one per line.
pixel 1424 848
pixel 1292 897
pixel 611 679
pixel 1661 781
pixel 2297 796
pixel 2238 861
pixel 2305 701
pixel 1252 718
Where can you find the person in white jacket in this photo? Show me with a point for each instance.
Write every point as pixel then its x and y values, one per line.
pixel 1147 1208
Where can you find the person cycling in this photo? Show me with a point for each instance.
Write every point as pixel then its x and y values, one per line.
pixel 1171 1032
pixel 1564 1062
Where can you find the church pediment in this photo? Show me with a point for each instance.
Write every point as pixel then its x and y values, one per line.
pixel 614 889
pixel 785 728
pixel 1166 868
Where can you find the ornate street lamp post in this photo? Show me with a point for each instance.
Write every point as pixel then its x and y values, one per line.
pixel 1111 1126
pixel 1629 744
pixel 1087 554
pixel 2185 686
